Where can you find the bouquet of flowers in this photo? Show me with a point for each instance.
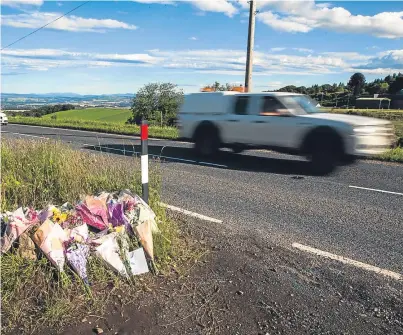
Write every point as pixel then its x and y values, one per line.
pixel 109 251
pixel 77 255
pixel 16 223
pixel 50 238
pixel 93 211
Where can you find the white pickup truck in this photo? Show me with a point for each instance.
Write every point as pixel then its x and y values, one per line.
pixel 284 122
pixel 3 119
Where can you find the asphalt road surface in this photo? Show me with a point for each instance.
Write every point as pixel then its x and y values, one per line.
pixel 357 212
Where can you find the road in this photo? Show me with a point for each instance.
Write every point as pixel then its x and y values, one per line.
pixel 357 212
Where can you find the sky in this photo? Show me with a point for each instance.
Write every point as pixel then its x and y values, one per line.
pixel 119 46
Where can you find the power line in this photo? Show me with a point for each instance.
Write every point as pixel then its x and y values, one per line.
pixel 33 32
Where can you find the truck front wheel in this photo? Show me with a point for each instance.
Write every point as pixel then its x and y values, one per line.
pixel 322 160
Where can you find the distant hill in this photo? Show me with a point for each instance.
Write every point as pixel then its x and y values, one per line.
pixel 62 94
pixel 18 101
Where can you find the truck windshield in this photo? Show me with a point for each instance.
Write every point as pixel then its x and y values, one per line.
pixel 305 104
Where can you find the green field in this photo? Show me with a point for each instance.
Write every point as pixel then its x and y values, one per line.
pixel 116 115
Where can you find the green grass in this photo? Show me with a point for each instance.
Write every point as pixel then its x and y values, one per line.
pixel 115 115
pixel 394 155
pixel 386 114
pixel 107 127
pixel 35 173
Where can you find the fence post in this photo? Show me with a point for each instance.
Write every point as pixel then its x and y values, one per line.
pixel 144 159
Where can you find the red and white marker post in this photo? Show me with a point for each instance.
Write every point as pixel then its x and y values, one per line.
pixel 144 159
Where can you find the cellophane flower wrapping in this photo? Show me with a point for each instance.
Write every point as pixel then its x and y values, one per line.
pixel 77 256
pixel 50 238
pixel 16 223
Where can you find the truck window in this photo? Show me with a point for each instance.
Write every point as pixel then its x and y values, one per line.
pixel 241 105
pixel 271 106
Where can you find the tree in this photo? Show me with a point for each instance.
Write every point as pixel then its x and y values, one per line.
pixel 157 103
pixel 218 87
pixel 357 82
pixel 396 86
pixel 384 87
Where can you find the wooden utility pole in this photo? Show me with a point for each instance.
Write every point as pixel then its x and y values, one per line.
pixel 251 41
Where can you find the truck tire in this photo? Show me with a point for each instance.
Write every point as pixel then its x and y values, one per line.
pixel 237 149
pixel 207 141
pixel 324 149
pixel 322 160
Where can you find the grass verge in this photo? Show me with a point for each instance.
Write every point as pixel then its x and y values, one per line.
pixel 38 173
pixel 170 133
pixel 393 155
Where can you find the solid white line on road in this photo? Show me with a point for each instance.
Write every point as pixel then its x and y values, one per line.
pixel 45 138
pixel 213 164
pixel 375 190
pixel 192 214
pixel 344 260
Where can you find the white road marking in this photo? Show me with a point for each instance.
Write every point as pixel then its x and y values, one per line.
pixel 375 190
pixel 192 214
pixel 213 164
pixel 45 138
pixel 344 260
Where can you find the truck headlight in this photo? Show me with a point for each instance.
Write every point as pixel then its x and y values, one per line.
pixel 364 130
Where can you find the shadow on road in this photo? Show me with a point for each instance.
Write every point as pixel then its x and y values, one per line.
pixel 224 160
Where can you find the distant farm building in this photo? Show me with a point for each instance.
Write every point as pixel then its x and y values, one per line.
pixel 372 103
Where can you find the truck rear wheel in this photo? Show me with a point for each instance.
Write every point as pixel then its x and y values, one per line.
pixel 207 142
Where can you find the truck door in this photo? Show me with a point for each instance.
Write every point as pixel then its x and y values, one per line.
pixel 271 123
pixel 236 123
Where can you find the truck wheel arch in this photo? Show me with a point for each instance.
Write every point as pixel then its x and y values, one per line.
pixel 324 134
pixel 206 126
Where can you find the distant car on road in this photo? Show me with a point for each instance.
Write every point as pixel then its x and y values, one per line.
pixel 3 119
pixel 285 122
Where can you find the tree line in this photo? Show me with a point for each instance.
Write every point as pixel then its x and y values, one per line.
pixel 44 110
pixel 345 94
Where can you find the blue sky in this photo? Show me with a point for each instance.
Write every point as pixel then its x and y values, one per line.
pixel 118 46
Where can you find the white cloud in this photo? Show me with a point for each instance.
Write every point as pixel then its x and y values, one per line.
pixel 277 49
pixel 70 23
pixel 218 6
pixel 303 50
pixel 162 2
pixel 218 61
pixel 288 24
pixel 349 55
pixel 17 3
pixel 302 16
pixel 193 38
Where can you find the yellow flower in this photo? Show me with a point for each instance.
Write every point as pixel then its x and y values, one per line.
pixel 55 211
pixel 120 229
pixel 59 217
